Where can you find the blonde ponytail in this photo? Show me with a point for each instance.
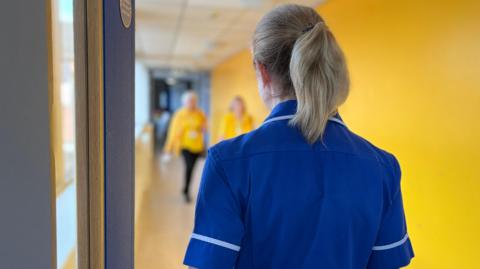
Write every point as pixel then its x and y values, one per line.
pixel 320 80
pixel 299 50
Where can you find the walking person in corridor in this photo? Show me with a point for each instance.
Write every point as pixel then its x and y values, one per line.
pixel 237 121
pixel 186 136
pixel 302 190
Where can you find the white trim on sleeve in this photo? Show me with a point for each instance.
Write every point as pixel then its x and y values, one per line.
pixel 215 242
pixel 392 245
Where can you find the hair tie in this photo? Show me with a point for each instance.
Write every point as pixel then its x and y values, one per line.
pixel 308 29
pixel 311 26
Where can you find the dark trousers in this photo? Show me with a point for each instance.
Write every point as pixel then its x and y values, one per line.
pixel 190 159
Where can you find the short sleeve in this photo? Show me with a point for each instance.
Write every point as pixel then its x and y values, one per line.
pixel 172 144
pixel 222 133
pixel 218 231
pixel 393 248
pixel 204 119
pixel 251 123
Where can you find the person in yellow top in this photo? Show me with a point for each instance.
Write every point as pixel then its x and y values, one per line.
pixel 186 136
pixel 237 121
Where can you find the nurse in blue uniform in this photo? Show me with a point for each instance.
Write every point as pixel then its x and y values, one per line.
pixel 302 190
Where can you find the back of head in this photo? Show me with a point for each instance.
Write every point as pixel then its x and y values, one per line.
pixel 189 99
pixel 302 55
pixel 237 105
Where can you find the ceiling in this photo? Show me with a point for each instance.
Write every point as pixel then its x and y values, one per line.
pixel 197 34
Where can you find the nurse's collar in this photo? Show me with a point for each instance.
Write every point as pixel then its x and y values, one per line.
pixel 284 108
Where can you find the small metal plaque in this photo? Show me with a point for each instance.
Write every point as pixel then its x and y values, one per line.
pixel 126 12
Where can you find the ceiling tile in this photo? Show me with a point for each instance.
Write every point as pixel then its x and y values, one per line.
pixel 158 3
pixel 211 18
pixel 156 44
pixel 238 4
pixel 168 16
pixel 189 46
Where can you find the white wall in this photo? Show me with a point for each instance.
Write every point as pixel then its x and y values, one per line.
pixel 142 97
pixel 66 224
pixel 143 143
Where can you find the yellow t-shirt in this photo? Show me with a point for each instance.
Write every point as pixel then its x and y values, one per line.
pixel 231 126
pixel 186 131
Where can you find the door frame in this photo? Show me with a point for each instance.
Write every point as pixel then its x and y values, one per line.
pixel 89 69
pixel 104 51
pixel 119 129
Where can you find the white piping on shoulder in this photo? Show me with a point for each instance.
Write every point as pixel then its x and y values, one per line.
pixel 289 117
pixel 215 242
pixel 392 245
pixel 337 120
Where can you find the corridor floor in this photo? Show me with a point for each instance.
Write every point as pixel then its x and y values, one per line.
pixel 164 221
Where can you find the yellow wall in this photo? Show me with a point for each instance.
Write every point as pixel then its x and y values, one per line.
pixel 415 68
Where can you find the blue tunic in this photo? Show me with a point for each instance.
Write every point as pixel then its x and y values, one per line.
pixel 268 199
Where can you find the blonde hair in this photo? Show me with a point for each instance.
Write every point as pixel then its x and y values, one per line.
pixel 235 99
pixel 303 57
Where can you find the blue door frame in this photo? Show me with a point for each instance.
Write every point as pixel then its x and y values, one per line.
pixel 119 58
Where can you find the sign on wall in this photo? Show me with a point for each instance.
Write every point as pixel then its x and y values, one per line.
pixel 126 12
